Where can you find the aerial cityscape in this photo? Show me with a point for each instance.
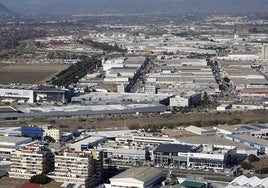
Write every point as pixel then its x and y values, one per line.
pixel 133 94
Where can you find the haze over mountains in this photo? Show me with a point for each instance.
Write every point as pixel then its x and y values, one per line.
pixel 135 6
pixel 4 10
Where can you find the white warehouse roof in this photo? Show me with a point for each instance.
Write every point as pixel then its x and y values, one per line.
pixel 243 181
pixel 13 141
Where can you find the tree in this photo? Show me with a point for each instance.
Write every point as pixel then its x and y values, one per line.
pixel 49 139
pixel 40 179
pixel 253 158
pixel 225 79
pixel 246 165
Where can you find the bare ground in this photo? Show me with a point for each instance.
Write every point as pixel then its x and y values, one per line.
pixel 150 121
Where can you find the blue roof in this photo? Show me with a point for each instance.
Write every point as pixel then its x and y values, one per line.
pixel 173 148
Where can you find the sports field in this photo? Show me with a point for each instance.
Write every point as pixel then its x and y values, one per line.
pixel 28 73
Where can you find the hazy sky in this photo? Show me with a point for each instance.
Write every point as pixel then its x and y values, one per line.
pixel 134 6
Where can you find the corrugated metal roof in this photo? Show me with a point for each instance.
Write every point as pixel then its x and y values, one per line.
pixel 143 174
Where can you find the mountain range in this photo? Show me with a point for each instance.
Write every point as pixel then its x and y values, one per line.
pixel 135 6
pixel 4 11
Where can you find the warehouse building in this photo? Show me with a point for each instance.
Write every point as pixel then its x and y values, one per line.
pixel 84 111
pixel 32 94
pixel 185 99
pixel 32 131
pixel 87 143
pixel 254 129
pixel 142 177
pixel 219 142
pixel 243 181
pixel 260 144
pixel 200 131
pixel 12 142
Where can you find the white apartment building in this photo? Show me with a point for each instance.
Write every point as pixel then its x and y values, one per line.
pixel 54 133
pixel 30 161
pixel 264 52
pixel 84 168
pixel 185 100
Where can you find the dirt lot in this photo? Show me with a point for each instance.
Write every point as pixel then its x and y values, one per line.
pixel 28 73
pixel 151 121
pixel 7 182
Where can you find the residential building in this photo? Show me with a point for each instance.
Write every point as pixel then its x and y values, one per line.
pixel 84 168
pixel 54 133
pixel 264 52
pixel 31 160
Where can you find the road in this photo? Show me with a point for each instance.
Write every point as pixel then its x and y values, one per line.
pixel 136 83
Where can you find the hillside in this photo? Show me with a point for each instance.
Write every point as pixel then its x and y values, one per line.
pixel 137 6
pixel 4 11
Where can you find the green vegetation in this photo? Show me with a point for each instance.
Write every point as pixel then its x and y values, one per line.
pixel 11 39
pixel 246 165
pixel 49 139
pixel 227 80
pixel 103 46
pixel 75 72
pixel 40 179
pixel 253 158
pixel 64 55
pixel 262 170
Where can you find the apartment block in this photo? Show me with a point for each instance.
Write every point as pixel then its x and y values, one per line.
pixel 54 133
pixel 84 168
pixel 31 160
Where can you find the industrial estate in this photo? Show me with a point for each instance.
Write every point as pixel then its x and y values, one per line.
pixel 213 68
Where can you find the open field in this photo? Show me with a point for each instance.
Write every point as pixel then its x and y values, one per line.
pixel 150 121
pixel 28 73
pixel 7 182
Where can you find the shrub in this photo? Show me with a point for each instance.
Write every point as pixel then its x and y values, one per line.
pixel 253 158
pixel 263 170
pixel 246 165
pixel 40 179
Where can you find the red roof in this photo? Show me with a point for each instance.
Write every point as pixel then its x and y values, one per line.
pixel 30 185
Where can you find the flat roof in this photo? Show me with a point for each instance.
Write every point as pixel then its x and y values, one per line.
pixel 88 140
pixel 111 134
pixel 173 148
pixel 143 174
pixel 13 139
pixel 7 109
pixel 212 140
pixel 252 139
pixel 126 151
